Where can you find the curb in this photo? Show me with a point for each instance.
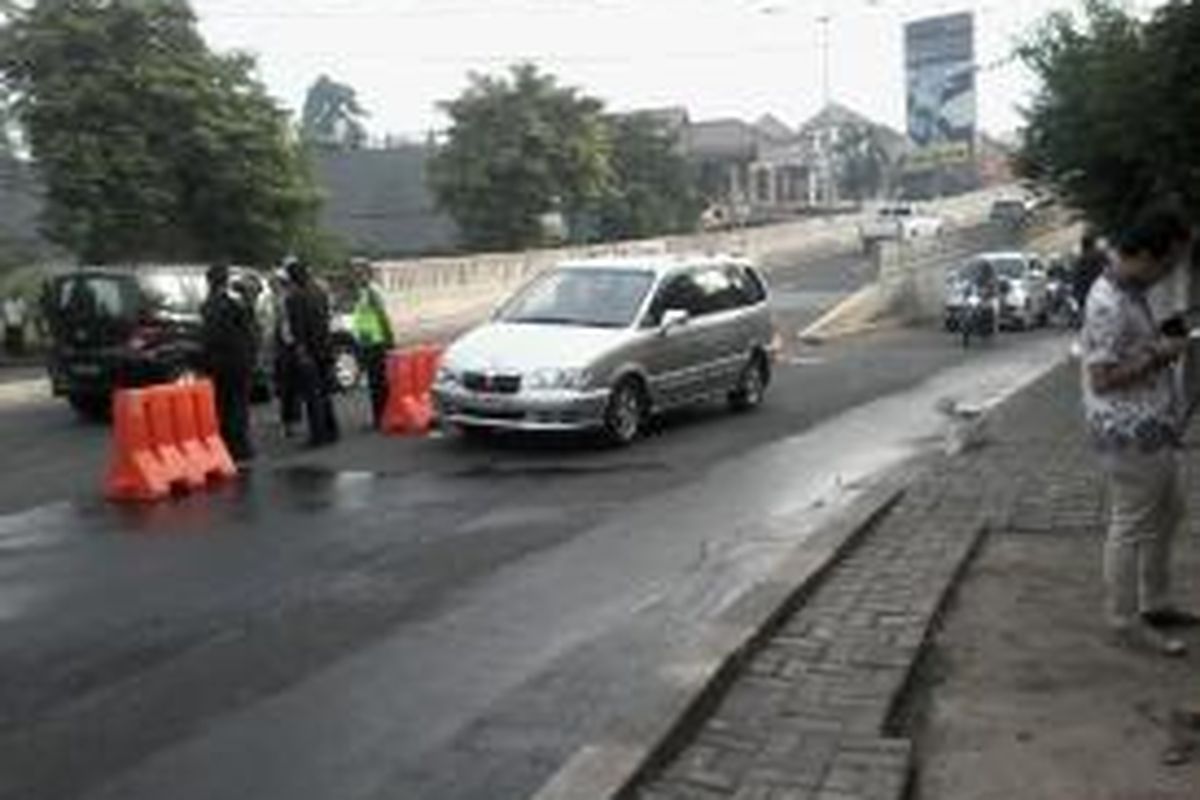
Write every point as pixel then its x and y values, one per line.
pixel 28 391
pixel 897 727
pixel 610 766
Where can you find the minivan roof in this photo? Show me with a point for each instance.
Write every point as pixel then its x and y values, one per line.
pixel 133 270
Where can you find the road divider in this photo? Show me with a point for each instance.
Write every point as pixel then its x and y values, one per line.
pixel 165 438
pixel 410 375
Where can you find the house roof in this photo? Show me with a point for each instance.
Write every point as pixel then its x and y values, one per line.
pixel 836 115
pixel 772 127
pixel 674 118
pixel 724 139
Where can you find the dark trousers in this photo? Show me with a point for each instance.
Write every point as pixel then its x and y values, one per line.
pixel 374 359
pixel 232 389
pixel 287 387
pixel 314 389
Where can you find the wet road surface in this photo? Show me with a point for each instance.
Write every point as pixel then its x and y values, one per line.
pixel 414 618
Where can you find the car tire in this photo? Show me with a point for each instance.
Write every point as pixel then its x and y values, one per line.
pixel 625 415
pixel 751 386
pixel 91 407
pixel 347 367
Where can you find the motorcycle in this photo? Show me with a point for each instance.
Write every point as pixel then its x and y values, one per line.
pixel 979 317
pixel 1062 306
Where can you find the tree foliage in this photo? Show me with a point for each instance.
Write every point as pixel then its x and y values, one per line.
pixel 150 145
pixel 332 116
pixel 1117 119
pixel 519 147
pixel 864 162
pixel 653 189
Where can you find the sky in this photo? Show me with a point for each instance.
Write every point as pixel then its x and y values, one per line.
pixel 717 58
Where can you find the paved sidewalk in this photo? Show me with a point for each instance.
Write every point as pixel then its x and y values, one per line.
pixel 1018 695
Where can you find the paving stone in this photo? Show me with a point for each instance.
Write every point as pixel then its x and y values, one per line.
pixel 806 718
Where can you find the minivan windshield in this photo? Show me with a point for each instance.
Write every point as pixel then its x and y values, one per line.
pixel 89 297
pixel 176 293
pixel 594 298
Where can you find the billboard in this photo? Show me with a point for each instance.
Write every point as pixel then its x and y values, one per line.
pixel 939 56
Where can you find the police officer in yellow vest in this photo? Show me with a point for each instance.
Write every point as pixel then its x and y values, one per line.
pixel 373 331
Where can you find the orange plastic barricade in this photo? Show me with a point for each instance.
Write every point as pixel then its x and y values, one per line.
pixel 184 408
pixel 411 375
pixel 134 472
pixel 209 431
pixel 165 439
pixel 428 359
pixel 165 436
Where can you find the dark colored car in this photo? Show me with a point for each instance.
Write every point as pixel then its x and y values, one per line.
pixel 112 328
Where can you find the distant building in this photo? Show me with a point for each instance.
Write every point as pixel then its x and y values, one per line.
pixel 379 201
pixel 723 150
pixel 770 169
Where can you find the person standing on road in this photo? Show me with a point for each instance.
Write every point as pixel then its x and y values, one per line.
pixel 1090 266
pixel 307 312
pixel 230 336
pixel 1134 418
pixel 15 312
pixel 287 385
pixel 373 332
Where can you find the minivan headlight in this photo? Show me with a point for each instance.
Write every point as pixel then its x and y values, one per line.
pixel 446 377
pixel 543 379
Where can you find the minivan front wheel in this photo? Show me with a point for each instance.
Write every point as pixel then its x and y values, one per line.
pixel 751 387
pixel 626 412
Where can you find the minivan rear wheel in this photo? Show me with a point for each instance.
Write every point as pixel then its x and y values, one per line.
pixel 626 412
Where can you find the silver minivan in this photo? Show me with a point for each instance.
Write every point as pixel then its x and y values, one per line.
pixel 604 344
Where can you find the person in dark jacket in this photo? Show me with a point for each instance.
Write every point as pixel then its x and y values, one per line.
pixel 308 317
pixel 284 347
pixel 1090 266
pixel 230 337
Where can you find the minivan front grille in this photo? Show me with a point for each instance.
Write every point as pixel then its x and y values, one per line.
pixel 492 384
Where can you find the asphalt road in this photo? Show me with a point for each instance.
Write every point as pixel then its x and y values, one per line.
pixel 417 618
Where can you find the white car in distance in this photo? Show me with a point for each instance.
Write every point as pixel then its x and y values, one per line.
pixel 898 222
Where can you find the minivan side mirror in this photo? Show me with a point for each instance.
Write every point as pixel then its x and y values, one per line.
pixel 674 318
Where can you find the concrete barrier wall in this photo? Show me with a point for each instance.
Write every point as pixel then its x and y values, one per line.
pixel 422 290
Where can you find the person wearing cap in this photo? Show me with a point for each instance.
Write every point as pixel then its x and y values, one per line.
pixel 229 337
pixel 287 386
pixel 373 332
pixel 308 318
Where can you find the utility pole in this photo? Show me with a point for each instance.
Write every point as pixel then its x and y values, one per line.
pixel 824 20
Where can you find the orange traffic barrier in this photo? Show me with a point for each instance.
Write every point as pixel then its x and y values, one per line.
pixel 185 407
pixel 411 374
pixel 209 429
pixel 159 400
pixel 165 436
pixel 135 472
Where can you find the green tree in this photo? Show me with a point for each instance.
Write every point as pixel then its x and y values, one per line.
pixel 1117 119
pixel 654 190
pixel 150 145
pixel 519 147
pixel 332 116
pixel 864 162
